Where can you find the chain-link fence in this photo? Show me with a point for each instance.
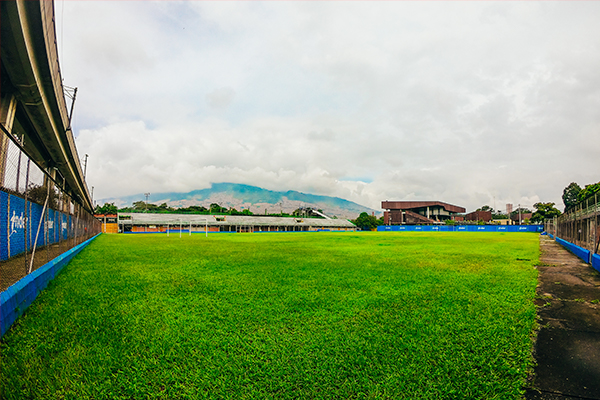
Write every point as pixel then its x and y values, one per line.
pixel 38 219
pixel 580 226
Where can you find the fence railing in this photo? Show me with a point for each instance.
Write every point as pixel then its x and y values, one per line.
pixel 38 219
pixel 580 226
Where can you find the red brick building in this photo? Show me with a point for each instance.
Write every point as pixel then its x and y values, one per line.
pixel 524 216
pixel 485 216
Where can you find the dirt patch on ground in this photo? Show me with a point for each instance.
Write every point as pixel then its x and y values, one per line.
pixel 15 268
pixel 567 348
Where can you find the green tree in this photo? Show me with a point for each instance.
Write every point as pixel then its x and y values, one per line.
pixel 142 206
pixel 570 195
pixel 543 212
pixel 367 222
pixel 38 194
pixel 164 208
pixel 523 211
pixel 588 191
pixel 499 215
pixel 299 212
pixel 216 209
pixel 194 210
pixel 139 205
pixel 107 208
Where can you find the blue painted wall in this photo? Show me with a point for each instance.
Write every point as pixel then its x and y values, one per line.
pixel 16 215
pixel 580 252
pixel 596 262
pixel 3 225
pixel 460 228
pixel 16 225
pixel 15 300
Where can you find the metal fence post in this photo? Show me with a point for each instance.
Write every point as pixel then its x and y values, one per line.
pixel 596 232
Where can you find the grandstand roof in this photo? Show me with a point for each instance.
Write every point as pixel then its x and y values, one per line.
pixel 408 205
pixel 225 220
pixel 33 79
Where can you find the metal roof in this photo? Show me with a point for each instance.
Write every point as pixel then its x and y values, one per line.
pixel 229 220
pixel 408 205
pixel 30 57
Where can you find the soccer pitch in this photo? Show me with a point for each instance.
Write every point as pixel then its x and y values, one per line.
pixel 282 315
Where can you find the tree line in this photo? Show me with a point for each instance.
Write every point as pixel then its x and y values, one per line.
pixel 573 194
pixel 543 211
pixel 214 208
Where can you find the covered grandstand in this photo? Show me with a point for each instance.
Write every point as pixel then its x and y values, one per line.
pixel 147 222
pixel 418 212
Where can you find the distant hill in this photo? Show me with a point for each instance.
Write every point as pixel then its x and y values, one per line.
pixel 254 198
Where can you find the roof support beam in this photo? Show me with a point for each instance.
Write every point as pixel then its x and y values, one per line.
pixel 30 59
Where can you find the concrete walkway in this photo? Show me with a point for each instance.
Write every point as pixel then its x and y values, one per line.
pixel 567 348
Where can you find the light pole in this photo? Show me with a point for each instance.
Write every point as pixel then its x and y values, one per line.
pixel 147 195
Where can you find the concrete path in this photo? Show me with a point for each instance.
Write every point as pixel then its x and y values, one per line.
pixel 567 348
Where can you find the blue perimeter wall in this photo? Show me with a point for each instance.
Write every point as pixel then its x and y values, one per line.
pixel 585 255
pixel 580 252
pixel 15 300
pixel 460 228
pixel 16 215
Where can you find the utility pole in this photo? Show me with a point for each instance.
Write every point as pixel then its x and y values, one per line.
pixel 85 166
pixel 67 90
pixel 72 105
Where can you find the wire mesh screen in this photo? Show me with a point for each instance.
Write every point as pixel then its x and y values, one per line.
pixel 38 220
pixel 19 173
pixel 580 226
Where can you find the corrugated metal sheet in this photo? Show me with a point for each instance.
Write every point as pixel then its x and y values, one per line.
pixel 229 220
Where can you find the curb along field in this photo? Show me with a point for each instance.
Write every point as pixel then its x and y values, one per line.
pixel 15 300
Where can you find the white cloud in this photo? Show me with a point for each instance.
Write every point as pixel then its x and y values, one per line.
pixel 468 103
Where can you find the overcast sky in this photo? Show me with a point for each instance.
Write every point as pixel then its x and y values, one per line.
pixel 470 103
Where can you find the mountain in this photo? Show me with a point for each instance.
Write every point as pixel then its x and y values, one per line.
pixel 254 198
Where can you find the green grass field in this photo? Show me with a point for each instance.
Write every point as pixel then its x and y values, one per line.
pixel 296 315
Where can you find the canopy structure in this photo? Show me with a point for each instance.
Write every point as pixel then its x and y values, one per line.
pixel 418 212
pixel 33 107
pixel 147 222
